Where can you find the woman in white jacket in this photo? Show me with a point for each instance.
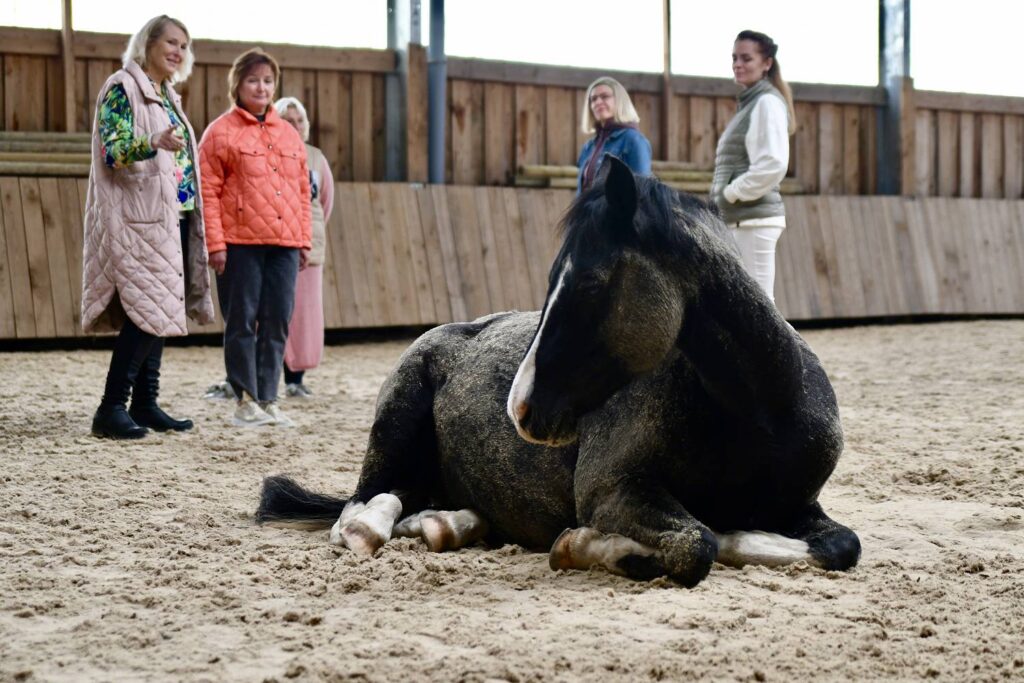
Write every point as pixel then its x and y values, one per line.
pixel 753 155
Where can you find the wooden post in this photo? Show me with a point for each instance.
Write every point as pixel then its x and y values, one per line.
pixel 68 59
pixel 666 78
pixel 894 156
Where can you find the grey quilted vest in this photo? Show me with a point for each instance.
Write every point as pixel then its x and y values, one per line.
pixel 731 161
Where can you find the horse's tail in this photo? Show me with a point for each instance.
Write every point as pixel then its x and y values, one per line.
pixel 283 503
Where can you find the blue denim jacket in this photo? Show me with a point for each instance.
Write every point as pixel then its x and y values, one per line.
pixel 628 144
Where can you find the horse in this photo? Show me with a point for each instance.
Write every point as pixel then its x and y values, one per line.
pixel 656 416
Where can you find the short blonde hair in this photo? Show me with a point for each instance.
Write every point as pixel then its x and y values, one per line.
pixel 282 106
pixel 246 62
pixel 625 112
pixel 139 44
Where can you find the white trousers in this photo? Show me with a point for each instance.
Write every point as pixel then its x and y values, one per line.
pixel 757 251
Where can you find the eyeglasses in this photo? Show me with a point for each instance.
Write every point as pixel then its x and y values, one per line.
pixel 599 97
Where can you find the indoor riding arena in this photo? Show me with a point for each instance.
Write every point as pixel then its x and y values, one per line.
pixel 901 262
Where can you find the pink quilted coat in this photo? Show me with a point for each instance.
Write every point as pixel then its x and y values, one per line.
pixel 132 261
pixel 255 182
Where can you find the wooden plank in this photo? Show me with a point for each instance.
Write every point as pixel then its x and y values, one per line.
pixel 467 140
pixel 796 296
pixel 680 130
pixel 217 99
pixel 1013 159
pixel 510 236
pixel 193 99
pixel 825 268
pixel 3 78
pixel 648 107
pixel 830 159
pixel 581 104
pixel 924 147
pixel 533 211
pixel 85 109
pixel 844 232
pixel 362 127
pixel 24 93
pixel 851 149
pixel 386 217
pixel 337 271
pixel 453 276
pixel 8 329
pixel 499 141
pixel 969 102
pixel 969 156
pixel 702 131
pixel 997 241
pixel 529 125
pixel 53 232
pixel 379 118
pixel 416 256
pixel 908 155
pixel 672 131
pixel 493 273
pixel 372 268
pixel 417 106
pixel 350 257
pixel 328 121
pixel 918 254
pixel 725 109
pixel 38 265
pixel 991 156
pixel 559 132
pixel 468 250
pixel 401 281
pixel 869 149
pixel 807 145
pixel 55 95
pixel 438 277
pixel 948 158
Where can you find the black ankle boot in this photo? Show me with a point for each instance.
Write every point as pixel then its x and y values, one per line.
pixel 145 410
pixel 114 422
pixel 155 418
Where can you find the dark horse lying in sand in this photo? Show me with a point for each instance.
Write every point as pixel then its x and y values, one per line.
pixel 656 416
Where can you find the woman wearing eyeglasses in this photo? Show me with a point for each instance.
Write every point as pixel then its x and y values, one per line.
pixel 611 116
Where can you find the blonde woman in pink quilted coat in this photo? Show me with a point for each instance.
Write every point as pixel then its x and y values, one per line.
pixel 259 232
pixel 144 253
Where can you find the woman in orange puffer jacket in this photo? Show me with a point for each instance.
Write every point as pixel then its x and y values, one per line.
pixel 258 225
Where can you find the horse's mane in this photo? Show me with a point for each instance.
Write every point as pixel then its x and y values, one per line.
pixel 666 221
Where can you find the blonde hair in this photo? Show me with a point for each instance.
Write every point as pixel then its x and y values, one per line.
pixel 625 112
pixel 768 49
pixel 282 106
pixel 139 44
pixel 246 62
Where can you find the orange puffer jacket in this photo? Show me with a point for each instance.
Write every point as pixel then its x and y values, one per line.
pixel 255 182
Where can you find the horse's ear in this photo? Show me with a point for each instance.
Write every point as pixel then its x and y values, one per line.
pixel 619 186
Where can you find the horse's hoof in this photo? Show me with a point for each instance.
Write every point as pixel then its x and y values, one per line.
pixel 436 534
pixel 446 530
pixel 361 538
pixel 566 550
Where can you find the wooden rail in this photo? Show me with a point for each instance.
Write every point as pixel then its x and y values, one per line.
pixel 412 255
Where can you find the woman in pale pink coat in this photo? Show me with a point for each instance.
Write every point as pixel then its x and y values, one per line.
pixel 305 344
pixel 144 248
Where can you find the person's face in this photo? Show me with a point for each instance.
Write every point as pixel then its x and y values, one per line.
pixel 292 116
pixel 602 103
pixel 257 89
pixel 748 64
pixel 167 53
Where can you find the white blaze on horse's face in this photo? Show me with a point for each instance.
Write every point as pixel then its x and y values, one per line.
pixel 522 386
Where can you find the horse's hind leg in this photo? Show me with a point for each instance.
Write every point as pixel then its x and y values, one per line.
pixel 401 458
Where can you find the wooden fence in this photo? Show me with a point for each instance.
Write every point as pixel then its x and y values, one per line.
pixel 412 255
pixel 503 115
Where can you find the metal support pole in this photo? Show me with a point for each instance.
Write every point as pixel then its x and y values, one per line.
pixel 68 62
pixel 893 69
pixel 666 77
pixel 437 77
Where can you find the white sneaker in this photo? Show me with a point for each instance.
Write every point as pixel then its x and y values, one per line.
pixel 297 391
pixel 277 415
pixel 249 414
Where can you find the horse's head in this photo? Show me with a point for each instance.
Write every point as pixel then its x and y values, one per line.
pixel 614 306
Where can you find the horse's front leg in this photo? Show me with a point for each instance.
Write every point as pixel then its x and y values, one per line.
pixel 639 530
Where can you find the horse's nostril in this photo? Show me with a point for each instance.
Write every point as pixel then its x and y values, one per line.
pixel 522 411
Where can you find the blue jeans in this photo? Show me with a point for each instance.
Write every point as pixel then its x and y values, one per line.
pixel 257 293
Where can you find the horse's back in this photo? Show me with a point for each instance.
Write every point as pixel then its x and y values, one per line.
pixel 523 490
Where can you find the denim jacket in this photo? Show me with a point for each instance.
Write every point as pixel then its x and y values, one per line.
pixel 628 144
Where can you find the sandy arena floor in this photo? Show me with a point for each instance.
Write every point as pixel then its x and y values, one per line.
pixel 139 561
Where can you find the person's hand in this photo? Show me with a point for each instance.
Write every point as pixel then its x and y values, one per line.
pixel 303 258
pixel 217 261
pixel 168 139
